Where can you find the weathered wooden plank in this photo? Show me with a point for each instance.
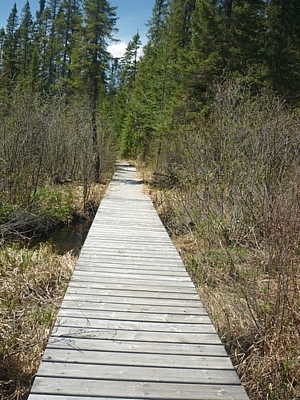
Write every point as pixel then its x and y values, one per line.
pixel 141 344
pixel 103 238
pixel 146 250
pixel 140 373
pixel 153 243
pixel 153 255
pixel 138 325
pixel 164 279
pixel 172 337
pixel 66 397
pixel 128 260
pixel 126 268
pixel 135 285
pixel 190 320
pixel 152 295
pixel 148 290
pixel 135 297
pixel 135 390
pixel 132 308
pixel 126 264
pixel 189 362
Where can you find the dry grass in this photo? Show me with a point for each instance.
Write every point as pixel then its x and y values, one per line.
pixel 230 198
pixel 252 294
pixel 32 284
pixel 53 207
pixel 264 348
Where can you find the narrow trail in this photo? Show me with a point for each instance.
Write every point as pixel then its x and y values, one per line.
pixel 131 325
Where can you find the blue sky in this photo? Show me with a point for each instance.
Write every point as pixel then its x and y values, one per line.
pixel 133 15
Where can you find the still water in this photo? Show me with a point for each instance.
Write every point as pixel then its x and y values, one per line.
pixel 70 238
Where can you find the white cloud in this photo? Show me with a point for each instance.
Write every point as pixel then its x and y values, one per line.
pixel 140 52
pixel 117 49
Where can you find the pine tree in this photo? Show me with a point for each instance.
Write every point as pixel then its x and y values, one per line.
pixel 39 13
pixel 180 24
pixel 283 46
pixel 129 62
pixel 204 55
pixel 25 39
pixel 227 38
pixel 178 34
pixel 40 62
pixel 10 46
pixel 124 73
pixel 91 58
pixel 144 123
pixel 243 30
pixel 2 41
pixel 156 24
pixel 67 23
pixel 53 46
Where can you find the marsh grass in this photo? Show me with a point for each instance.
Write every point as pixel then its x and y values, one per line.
pixel 233 210
pixel 53 207
pixel 32 283
pixel 251 294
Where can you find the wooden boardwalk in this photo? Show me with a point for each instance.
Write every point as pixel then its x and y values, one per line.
pixel 131 325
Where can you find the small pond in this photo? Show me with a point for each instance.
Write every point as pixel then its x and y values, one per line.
pixel 69 238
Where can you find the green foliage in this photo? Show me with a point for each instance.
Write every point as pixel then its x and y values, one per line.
pixel 157 22
pixel 9 47
pixel 128 64
pixel 191 45
pixel 282 50
pixel 56 202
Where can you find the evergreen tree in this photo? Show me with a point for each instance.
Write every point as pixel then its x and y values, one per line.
pixel 25 39
pixel 242 27
pixel 91 58
pixel 124 73
pixel 129 62
pixel 145 124
pixel 283 46
pixel 204 55
pixel 157 22
pixel 10 46
pixel 178 34
pixel 53 46
pixel 227 38
pixel 2 41
pixel 67 22
pixel 40 62
pixel 39 13
pixel 180 24
pixel 36 69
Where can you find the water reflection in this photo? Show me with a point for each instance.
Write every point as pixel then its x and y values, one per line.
pixel 70 238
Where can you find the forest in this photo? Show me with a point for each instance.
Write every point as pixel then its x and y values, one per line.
pixel 209 114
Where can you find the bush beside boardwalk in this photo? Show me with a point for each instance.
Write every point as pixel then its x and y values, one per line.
pixel 231 204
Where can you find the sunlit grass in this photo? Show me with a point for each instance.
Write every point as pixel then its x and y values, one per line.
pixel 32 284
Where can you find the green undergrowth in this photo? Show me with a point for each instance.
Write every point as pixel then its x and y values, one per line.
pixel 51 207
pixel 55 202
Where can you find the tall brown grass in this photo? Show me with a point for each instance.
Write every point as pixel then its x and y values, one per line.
pixel 232 206
pixel 32 283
